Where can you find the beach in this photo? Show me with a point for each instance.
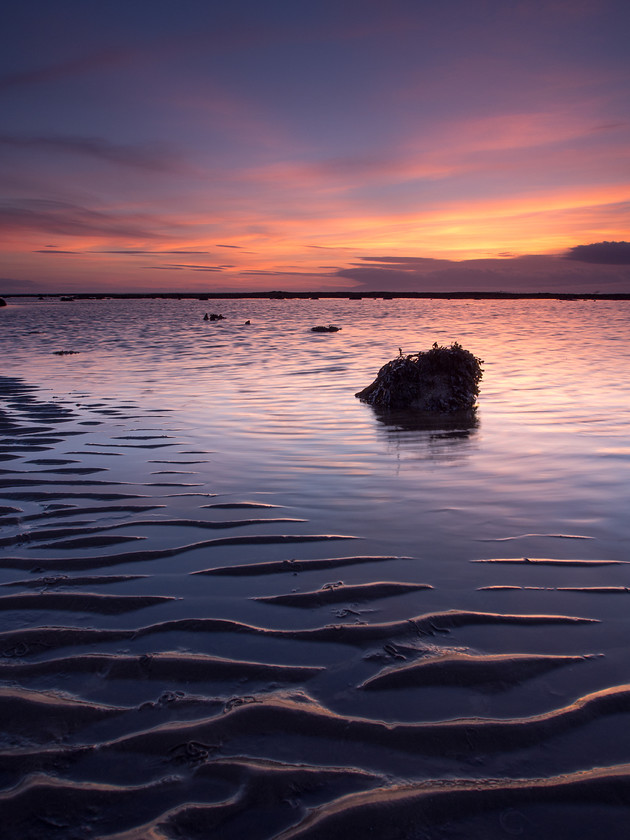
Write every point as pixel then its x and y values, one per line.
pixel 237 602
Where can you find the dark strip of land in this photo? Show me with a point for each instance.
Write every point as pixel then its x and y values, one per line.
pixel 285 295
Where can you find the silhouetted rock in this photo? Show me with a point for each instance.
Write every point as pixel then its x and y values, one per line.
pixel 329 328
pixel 3 302
pixel 442 379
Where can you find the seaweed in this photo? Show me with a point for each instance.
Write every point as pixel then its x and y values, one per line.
pixel 442 379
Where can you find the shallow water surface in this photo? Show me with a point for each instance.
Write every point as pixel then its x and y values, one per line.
pixel 224 573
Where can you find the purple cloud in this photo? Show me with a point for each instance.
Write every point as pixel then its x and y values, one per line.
pixel 602 253
pixel 531 273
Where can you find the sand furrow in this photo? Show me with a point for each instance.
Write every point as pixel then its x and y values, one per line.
pixel 81 533
pixel 83 511
pixel 268 796
pixel 33 640
pixel 551 561
pixel 334 593
pixel 293 566
pixel 225 789
pixel 48 496
pixel 252 715
pixel 230 505
pixel 391 812
pixel 183 668
pixel 495 672
pixel 298 716
pixel 100 541
pixel 67 580
pixel 155 554
pixel 47 716
pixel 44 807
pixel 81 602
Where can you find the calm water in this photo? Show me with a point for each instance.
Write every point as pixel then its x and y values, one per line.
pixel 266 414
pixel 275 402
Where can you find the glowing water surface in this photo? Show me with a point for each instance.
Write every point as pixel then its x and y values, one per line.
pixel 543 473
pixel 275 403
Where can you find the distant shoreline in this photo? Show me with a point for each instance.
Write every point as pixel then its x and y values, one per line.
pixel 314 295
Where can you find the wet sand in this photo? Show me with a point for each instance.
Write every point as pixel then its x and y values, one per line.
pixel 222 688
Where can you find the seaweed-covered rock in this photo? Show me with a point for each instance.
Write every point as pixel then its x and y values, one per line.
pixel 442 379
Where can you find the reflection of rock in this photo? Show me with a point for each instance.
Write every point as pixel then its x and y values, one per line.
pixel 329 328
pixel 452 424
pixel 427 434
pixel 442 379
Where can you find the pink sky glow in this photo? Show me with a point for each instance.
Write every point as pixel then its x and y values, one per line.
pixel 197 147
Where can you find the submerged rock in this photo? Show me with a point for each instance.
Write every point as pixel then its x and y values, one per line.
pixel 322 329
pixel 442 379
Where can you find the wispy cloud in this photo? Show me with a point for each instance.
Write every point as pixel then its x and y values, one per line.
pixel 142 253
pixel 186 267
pixel 63 218
pixel 54 251
pixel 61 70
pixel 11 285
pixel 154 157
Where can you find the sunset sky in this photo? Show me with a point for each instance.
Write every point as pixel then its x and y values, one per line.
pixel 325 144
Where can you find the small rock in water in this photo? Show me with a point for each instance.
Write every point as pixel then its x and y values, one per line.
pixel 322 329
pixel 442 379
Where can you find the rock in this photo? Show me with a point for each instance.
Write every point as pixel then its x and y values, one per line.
pixel 329 328
pixel 442 379
pixel 3 302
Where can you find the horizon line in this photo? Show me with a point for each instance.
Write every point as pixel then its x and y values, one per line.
pixel 316 295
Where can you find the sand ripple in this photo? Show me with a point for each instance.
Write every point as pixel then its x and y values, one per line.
pixel 173 700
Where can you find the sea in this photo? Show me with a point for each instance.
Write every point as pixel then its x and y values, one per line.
pixel 236 601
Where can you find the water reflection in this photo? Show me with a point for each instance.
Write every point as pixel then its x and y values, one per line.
pixel 427 435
